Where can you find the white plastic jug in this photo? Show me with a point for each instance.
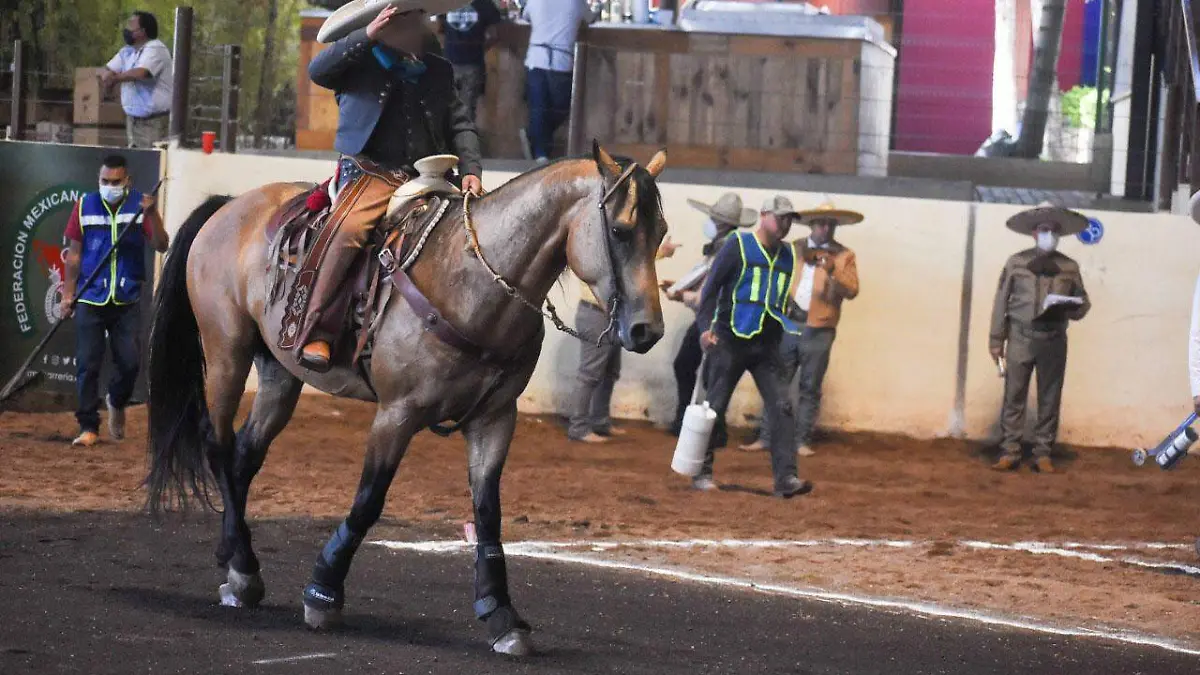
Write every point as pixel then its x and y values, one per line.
pixel 698 421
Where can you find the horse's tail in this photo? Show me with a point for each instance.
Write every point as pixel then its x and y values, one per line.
pixel 177 408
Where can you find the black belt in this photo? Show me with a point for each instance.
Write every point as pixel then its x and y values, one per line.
pixel 152 116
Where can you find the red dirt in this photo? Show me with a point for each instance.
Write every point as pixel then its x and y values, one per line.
pixel 867 486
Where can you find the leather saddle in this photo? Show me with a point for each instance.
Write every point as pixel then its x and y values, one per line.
pixel 301 225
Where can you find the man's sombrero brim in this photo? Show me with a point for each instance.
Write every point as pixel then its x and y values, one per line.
pixel 748 217
pixel 360 13
pixel 842 216
pixel 1069 222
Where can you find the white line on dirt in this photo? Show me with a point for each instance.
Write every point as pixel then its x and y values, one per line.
pixel 290 659
pixel 1043 549
pixel 543 551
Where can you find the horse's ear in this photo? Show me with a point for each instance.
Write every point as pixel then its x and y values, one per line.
pixel 608 165
pixel 657 163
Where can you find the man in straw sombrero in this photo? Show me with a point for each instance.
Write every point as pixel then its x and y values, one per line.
pixel 742 318
pixel 396 105
pixel 1040 291
pixel 723 218
pixel 828 275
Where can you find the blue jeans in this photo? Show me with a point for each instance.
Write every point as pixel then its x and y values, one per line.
pixel 120 327
pixel 549 96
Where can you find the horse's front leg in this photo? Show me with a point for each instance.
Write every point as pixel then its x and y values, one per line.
pixel 393 428
pixel 488 438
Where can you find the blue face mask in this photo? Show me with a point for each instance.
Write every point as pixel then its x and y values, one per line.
pixel 406 68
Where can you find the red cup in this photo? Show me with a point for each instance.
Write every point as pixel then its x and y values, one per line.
pixel 208 140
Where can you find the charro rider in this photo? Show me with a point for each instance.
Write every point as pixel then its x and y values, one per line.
pixel 396 105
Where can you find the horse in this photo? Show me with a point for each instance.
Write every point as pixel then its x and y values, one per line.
pixel 597 215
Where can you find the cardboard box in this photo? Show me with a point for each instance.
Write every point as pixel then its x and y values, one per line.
pixel 96 105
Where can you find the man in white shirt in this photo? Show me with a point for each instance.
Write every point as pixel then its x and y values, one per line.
pixel 144 70
pixel 554 27
pixel 1194 334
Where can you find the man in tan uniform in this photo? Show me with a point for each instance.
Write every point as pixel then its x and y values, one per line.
pixel 1040 291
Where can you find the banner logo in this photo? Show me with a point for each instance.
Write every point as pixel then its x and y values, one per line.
pixel 35 266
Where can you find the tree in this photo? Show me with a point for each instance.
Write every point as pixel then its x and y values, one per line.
pixel 262 110
pixel 1047 44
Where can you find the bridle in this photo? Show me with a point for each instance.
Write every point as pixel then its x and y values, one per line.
pixel 550 312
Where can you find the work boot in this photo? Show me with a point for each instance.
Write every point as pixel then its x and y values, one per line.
pixel 805 451
pixel 1043 465
pixel 1007 463
pixel 116 420
pixel 86 439
pixel 793 486
pixel 315 356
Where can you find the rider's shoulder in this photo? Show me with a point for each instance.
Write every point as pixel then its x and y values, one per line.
pixel 436 62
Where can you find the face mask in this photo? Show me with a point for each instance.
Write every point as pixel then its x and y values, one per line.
pixel 1047 241
pixel 112 193
pixel 710 229
pixel 128 35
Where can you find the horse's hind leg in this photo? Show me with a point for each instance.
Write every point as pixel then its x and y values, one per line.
pixel 488 440
pixel 274 402
pixel 393 428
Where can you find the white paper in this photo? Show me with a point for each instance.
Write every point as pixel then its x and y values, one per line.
pixel 1056 299
pixel 692 278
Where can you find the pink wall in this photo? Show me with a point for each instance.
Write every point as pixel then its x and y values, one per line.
pixel 944 98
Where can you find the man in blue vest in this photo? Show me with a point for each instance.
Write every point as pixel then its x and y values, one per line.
pixel 108 307
pixel 742 319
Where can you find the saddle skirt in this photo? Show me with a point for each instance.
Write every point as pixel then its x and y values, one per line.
pixel 415 208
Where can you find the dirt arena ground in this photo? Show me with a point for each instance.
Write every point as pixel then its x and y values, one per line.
pixel 1103 545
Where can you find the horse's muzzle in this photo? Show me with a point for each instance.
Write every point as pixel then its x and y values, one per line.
pixel 642 336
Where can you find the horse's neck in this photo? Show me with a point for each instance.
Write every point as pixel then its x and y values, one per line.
pixel 522 232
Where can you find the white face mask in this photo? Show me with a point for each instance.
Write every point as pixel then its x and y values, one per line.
pixel 1047 241
pixel 112 193
pixel 710 229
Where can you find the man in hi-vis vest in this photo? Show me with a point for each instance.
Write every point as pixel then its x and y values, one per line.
pixel 742 318
pixel 107 314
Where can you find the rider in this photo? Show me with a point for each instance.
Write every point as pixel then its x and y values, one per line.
pixel 396 104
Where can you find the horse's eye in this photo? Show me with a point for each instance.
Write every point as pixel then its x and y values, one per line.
pixel 621 234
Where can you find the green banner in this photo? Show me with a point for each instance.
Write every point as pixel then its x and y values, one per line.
pixel 41 184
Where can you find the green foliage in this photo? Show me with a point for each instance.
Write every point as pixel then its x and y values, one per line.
pixel 1079 107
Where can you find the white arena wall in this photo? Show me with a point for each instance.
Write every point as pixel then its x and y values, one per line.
pixel 896 363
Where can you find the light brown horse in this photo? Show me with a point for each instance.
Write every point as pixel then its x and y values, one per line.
pixel 600 217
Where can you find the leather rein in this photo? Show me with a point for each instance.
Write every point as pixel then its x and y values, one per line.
pixel 435 322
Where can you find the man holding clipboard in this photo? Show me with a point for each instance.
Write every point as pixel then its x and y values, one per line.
pixel 1040 291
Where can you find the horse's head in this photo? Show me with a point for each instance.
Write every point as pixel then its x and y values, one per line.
pixel 613 249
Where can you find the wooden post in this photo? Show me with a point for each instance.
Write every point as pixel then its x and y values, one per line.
pixel 182 58
pixel 231 77
pixel 16 129
pixel 577 124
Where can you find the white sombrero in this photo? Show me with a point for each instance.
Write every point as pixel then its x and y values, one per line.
pixel 359 13
pixel 728 210
pixel 1069 222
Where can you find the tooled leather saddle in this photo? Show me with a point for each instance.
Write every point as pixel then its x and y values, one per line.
pixel 297 234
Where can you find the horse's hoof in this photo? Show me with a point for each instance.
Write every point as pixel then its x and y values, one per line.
pixel 242 590
pixel 322 619
pixel 515 642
